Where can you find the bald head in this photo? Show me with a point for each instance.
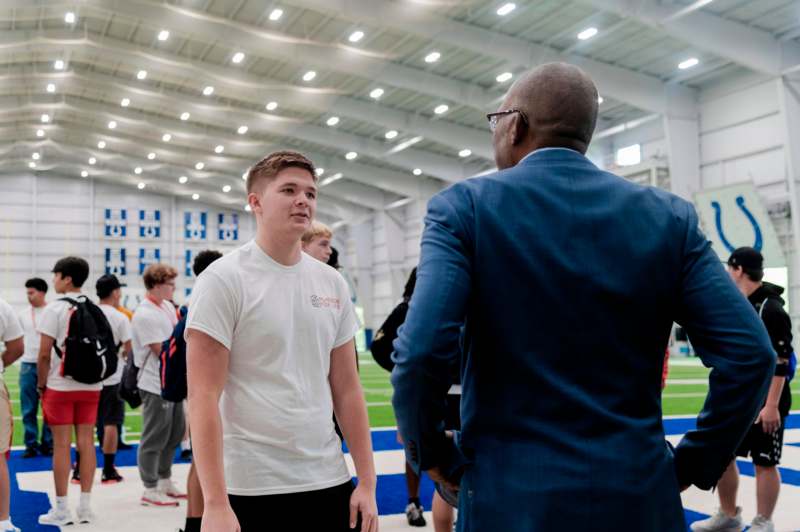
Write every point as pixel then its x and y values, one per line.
pixel 560 104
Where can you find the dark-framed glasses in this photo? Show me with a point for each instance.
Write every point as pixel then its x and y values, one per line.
pixel 494 117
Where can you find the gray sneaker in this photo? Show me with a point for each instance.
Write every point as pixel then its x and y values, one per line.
pixel 762 524
pixel 720 522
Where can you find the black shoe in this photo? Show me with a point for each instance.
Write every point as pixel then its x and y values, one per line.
pixel 76 477
pixel 111 477
pixel 414 515
pixel 30 452
pixel 122 446
pixel 45 450
pixel 186 454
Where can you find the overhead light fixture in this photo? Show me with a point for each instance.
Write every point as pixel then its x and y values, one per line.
pixel 40 132
pixel 45 118
pixel 399 203
pixel 31 164
pixel 125 102
pixel 247 208
pixel 59 64
pixel 271 106
pixel 308 76
pixel 465 153
pixel 163 35
pixel 226 189
pixel 36 156
pixel 432 57
pixel 101 145
pixel 208 90
pixel 441 109
pixel 219 149
pixel 506 8
pixel 242 130
pixel 199 166
pixel 391 134
pixel 588 33
pixel 137 170
pixel 600 99
pixel 319 171
pixel 327 181
pixel 195 196
pixel 505 76
pixel 84 173
pixel 183 179
pixel 276 14
pixel 350 155
pixel 404 145
pixel 51 87
pixel 356 36
pixel 689 63
pixel 376 93
pixel 166 137
pixel 141 186
pixel 112 124
pixel 185 116
pixel 70 18
pixel 142 74
pixel 92 161
pixel 332 121
pixel 238 57
pixel 244 175
pixel 151 155
pixel 416 171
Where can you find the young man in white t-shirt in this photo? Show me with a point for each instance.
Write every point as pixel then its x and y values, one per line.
pixel 11 335
pixel 35 290
pixel 316 241
pixel 163 422
pixel 66 403
pixel 270 333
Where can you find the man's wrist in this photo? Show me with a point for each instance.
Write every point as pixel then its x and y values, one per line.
pixel 771 405
pixel 368 482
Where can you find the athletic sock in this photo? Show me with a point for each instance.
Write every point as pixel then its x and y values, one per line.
pixel 108 462
pixel 7 524
pixel 85 499
pixel 186 445
pixel 192 524
pixel 415 500
pixel 62 503
pixel 77 460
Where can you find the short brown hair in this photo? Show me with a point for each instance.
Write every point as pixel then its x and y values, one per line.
pixel 316 229
pixel 270 166
pixel 157 274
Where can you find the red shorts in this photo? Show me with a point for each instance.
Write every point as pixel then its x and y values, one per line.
pixel 70 408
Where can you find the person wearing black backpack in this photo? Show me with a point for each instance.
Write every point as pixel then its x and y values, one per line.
pixel 75 354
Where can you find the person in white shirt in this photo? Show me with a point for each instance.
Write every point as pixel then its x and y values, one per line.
pixel 163 422
pixel 270 357
pixel 36 290
pixel 11 335
pixel 66 403
pixel 316 241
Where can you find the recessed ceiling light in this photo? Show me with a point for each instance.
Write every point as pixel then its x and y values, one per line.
pixel 226 188
pixel 59 64
pixel 600 99
pixel 465 153
pixel 142 74
pixel 185 116
pixel 125 102
pixel 40 132
pixel 166 137
pixel 141 186
pixel 271 106
pixel 505 76
pixel 356 36
pixel 376 93
pixel 208 90
pixel 244 175
pixel 242 130
pixel 101 145
pixel 137 170
pixel 92 160
pixel 195 196
pixel 247 208
pixel 506 8
pixel 51 87
pixel 183 179
pixel 319 171
pixel 332 121
pixel 112 124
pixel 238 57
pixel 199 166
pixel 84 173
pixel 588 33
pixel 689 63
pixel 151 155
pixel 70 18
pixel 219 149
pixel 308 76
pixel 276 14
pixel 391 134
pixel 441 109
pixel 36 156
pixel 45 118
pixel 416 171
pixel 350 155
pixel 31 164
pixel 163 35
pixel 432 57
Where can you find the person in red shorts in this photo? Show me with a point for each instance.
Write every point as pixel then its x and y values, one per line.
pixel 66 403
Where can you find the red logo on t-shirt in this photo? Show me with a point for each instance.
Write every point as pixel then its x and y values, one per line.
pixel 325 302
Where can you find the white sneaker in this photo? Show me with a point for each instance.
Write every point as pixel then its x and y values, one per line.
pixel 54 517
pixel 762 524
pixel 720 522
pixel 168 488
pixel 154 497
pixel 8 526
pixel 85 515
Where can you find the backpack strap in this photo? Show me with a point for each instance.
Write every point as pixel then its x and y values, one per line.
pixel 74 303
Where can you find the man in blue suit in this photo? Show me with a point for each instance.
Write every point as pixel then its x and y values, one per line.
pixel 567 280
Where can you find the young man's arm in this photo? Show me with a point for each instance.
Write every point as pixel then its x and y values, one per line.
pixel 779 327
pixel 351 413
pixel 127 349
pixel 14 350
pixel 207 370
pixel 770 417
pixel 43 363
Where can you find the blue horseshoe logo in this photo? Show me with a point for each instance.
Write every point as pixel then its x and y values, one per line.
pixel 759 243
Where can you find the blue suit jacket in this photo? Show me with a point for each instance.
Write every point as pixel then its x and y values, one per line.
pixel 568 280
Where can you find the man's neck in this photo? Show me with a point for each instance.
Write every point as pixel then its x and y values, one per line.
pixel 72 290
pixel 39 304
pixel 108 302
pixel 154 299
pixel 750 288
pixel 283 249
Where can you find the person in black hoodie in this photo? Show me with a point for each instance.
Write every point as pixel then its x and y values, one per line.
pixel 764 441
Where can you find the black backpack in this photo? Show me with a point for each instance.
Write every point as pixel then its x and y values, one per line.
pixel 90 354
pixel 381 346
pixel 173 363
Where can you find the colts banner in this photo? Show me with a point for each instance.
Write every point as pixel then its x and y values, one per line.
pixel 116 261
pixel 195 224
pixel 150 224
pixel 148 257
pixel 116 223
pixel 228 225
pixel 189 259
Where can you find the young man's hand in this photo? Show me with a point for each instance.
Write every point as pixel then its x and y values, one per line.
pixel 363 502
pixel 219 519
pixel 770 419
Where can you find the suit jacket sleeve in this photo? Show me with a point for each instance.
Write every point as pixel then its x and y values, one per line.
pixel 729 337
pixel 428 342
pixel 779 328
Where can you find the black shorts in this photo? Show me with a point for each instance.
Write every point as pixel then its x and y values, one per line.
pixel 765 449
pixel 111 409
pixel 452 416
pixel 325 510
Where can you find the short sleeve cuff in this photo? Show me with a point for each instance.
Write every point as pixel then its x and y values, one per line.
pixel 219 337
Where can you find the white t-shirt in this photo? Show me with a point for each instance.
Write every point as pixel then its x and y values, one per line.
pixel 29 318
pixel 10 328
pixel 53 323
pixel 121 330
pixel 152 324
pixel 280 324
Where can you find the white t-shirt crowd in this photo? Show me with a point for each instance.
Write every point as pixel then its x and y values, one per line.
pixel 152 324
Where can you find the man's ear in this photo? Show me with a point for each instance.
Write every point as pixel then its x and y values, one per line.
pixel 518 129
